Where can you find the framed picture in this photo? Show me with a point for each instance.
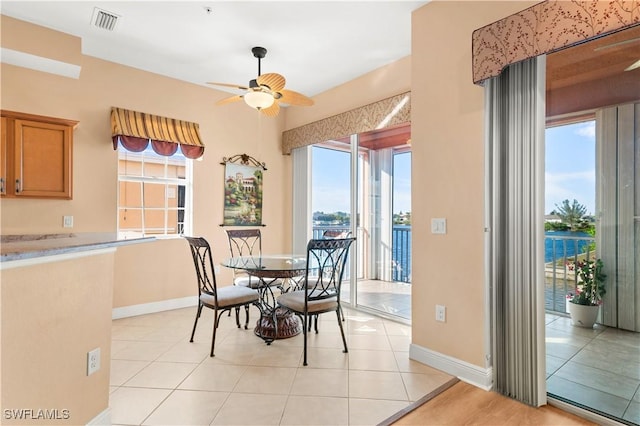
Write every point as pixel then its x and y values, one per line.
pixel 242 191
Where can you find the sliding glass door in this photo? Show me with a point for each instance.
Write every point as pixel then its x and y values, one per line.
pixel 354 187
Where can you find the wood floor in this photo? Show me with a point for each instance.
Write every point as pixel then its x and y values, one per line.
pixel 465 404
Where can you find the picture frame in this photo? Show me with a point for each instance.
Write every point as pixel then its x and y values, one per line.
pixel 243 191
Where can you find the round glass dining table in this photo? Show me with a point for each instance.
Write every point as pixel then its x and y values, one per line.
pixel 285 270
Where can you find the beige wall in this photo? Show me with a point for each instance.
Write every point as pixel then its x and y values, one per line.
pixel 143 273
pixel 226 131
pixel 447 138
pixel 52 315
pixel 448 174
pixel 387 81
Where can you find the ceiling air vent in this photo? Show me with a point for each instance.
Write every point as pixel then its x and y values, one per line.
pixel 103 19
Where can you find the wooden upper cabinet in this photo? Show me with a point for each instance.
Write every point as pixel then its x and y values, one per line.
pixel 3 157
pixel 37 155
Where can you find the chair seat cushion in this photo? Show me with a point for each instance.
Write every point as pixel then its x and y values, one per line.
pixel 294 301
pixel 254 282
pixel 231 296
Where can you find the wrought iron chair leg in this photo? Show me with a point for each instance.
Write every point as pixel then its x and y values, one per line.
pixel 304 332
pixel 344 340
pixel 193 332
pixel 237 316
pixel 315 323
pixel 246 314
pixel 216 319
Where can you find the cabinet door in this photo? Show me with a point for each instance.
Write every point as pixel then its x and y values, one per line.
pixel 42 159
pixel 3 157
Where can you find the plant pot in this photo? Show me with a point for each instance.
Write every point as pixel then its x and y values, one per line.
pixel 583 315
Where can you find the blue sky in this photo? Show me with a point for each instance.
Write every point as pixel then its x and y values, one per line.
pixel 569 172
pixel 570 165
pixel 331 181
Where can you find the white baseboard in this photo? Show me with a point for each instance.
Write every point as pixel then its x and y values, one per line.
pixel 102 419
pixel 152 307
pixel 472 374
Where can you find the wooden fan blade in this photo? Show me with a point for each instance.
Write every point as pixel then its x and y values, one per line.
pixel 294 98
pixel 229 100
pixel 275 81
pixel 235 86
pixel 272 111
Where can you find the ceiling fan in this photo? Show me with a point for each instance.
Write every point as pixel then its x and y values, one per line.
pixel 265 92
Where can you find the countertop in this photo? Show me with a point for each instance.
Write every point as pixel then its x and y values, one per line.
pixel 28 246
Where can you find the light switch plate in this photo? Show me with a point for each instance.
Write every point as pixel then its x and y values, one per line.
pixel 441 315
pixel 67 221
pixel 438 226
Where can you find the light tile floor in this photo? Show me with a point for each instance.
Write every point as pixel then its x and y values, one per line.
pixel 598 368
pixel 158 377
pixel 392 298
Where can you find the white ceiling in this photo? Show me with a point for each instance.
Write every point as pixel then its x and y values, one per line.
pixel 315 45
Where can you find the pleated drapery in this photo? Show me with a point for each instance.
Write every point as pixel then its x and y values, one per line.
pixel 135 130
pixel 515 223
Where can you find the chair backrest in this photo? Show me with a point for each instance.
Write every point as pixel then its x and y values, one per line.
pixel 336 233
pixel 203 263
pixel 245 242
pixel 326 260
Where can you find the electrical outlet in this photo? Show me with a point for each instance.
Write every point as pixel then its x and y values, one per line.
pixel 67 221
pixel 440 313
pixel 93 361
pixel 438 226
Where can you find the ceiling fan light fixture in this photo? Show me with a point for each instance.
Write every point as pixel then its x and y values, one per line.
pixel 259 100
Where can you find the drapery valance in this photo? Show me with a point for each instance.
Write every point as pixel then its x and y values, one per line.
pixel 378 115
pixel 136 129
pixel 544 28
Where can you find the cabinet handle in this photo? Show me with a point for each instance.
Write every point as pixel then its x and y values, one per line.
pixel 2 186
pixel 17 186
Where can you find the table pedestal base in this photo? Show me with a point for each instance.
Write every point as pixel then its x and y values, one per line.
pixel 288 326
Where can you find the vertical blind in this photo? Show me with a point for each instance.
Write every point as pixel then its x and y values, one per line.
pixel 618 206
pixel 515 216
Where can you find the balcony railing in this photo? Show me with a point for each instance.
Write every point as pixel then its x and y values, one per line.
pixel 401 252
pixel 560 280
pixel 560 251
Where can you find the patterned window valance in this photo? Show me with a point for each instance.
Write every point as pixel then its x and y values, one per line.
pixel 136 129
pixel 378 115
pixel 544 28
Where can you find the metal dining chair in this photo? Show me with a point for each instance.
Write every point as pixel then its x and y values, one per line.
pixel 320 293
pixel 328 234
pixel 219 299
pixel 247 242
pixel 336 233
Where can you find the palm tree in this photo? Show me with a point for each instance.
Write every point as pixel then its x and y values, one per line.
pixel 571 213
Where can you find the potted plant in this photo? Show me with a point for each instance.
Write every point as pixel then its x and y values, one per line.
pixel 584 303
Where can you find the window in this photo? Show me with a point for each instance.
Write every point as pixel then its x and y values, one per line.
pixel 154 194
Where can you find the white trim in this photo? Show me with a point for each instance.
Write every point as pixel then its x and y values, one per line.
pixel 472 374
pixel 39 63
pixel 103 418
pixel 20 263
pixel 301 189
pixel 152 307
